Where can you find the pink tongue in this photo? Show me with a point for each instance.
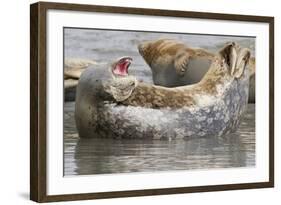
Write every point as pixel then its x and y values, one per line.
pixel 121 69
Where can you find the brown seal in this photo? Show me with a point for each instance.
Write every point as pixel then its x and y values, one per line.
pixel 227 66
pixel 173 63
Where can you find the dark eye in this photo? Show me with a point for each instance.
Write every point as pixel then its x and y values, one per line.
pixel 132 83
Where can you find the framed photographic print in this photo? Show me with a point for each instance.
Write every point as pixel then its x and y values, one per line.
pixel 134 102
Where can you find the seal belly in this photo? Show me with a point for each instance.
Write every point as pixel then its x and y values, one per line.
pixel 216 119
pixel 197 68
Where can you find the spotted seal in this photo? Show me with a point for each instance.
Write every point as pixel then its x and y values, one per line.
pixel 93 89
pixel 213 106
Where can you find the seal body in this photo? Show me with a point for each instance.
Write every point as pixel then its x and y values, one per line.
pixel 204 115
pixel 214 106
pixel 173 63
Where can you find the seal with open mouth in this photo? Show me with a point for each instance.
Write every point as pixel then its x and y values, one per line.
pixel 97 86
pixel 119 106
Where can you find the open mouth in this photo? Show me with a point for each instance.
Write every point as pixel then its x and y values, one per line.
pixel 122 66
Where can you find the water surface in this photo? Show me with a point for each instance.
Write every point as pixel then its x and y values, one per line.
pixel 104 156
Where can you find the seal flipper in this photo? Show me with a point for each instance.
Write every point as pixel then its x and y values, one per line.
pixel 181 63
pixel 197 68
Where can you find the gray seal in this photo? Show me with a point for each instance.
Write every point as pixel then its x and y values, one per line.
pixel 114 104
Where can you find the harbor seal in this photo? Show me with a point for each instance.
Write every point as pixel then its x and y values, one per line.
pixel 212 107
pixel 175 64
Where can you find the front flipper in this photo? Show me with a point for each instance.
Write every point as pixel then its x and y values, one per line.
pixel 236 58
pixel 181 63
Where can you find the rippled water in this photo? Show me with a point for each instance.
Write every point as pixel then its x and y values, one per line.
pixel 103 156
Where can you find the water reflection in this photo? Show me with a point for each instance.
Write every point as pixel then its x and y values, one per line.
pixel 102 156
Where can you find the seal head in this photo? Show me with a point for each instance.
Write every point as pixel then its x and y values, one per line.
pixel 236 58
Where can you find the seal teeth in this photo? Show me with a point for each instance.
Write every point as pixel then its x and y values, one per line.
pixel 121 66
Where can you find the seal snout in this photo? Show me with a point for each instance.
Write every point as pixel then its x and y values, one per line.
pixel 144 48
